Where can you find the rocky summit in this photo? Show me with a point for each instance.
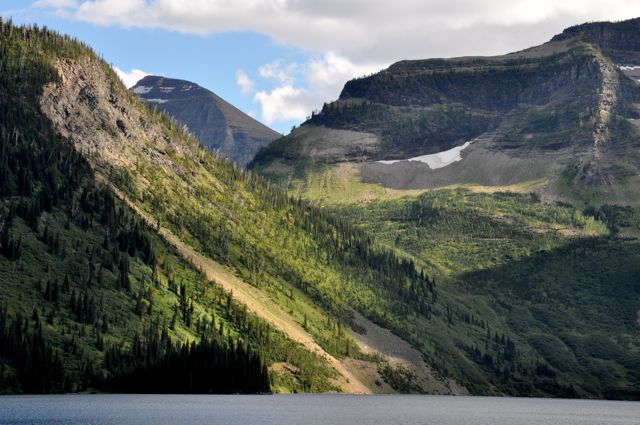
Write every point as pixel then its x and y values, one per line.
pixel 216 123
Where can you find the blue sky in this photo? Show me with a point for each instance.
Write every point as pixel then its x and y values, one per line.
pixel 280 59
pixel 212 61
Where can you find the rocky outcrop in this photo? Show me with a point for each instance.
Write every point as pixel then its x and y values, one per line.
pixel 85 99
pixel 619 41
pixel 608 98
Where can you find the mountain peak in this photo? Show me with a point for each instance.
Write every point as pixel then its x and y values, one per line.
pixel 161 86
pixel 215 122
pixel 618 40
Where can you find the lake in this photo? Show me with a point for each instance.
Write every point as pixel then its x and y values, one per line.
pixel 310 410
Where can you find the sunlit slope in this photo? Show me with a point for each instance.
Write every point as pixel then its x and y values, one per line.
pixel 88 292
pixel 308 269
pixel 562 282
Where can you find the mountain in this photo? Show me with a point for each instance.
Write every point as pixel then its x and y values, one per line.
pixel 520 199
pixel 134 259
pixel 216 123
pixel 564 114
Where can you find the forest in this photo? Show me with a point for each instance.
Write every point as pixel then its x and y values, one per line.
pixel 86 287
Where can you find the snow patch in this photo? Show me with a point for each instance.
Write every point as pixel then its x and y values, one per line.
pixel 436 160
pixel 156 100
pixel 166 89
pixel 629 67
pixel 142 90
pixel 186 88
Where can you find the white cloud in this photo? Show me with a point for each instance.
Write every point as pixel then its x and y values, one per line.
pixel 284 103
pixel 245 83
pixel 304 88
pixel 130 78
pixel 366 29
pixel 331 71
pixel 285 74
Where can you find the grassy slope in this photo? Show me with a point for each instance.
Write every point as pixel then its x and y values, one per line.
pixel 308 264
pixel 70 241
pixel 549 276
pixel 118 312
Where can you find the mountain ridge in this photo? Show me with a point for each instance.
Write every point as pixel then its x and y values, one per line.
pixel 566 101
pixel 513 228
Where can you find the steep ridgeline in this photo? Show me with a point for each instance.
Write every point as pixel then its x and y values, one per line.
pixel 565 112
pixel 217 124
pixel 128 249
pixel 91 298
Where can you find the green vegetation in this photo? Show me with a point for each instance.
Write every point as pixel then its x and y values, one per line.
pixel 523 297
pixel 554 292
pixel 400 378
pixel 126 285
pixel 81 275
pixel 500 292
pixel 456 231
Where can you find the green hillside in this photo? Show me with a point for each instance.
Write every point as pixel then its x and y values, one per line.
pixel 207 253
pixel 555 279
pixel 530 234
pixel 82 279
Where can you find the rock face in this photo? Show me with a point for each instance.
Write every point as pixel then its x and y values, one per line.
pixel 618 40
pixel 565 111
pixel 215 122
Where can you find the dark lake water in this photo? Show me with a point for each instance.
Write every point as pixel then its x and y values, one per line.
pixel 311 410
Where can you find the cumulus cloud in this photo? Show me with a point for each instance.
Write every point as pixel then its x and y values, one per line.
pixel 130 78
pixel 244 82
pixel 331 70
pixel 365 29
pixel 347 39
pixel 284 103
pixel 304 87
pixel 285 74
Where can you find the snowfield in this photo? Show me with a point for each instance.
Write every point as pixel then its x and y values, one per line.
pixel 435 160
pixel 629 67
pixel 142 90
